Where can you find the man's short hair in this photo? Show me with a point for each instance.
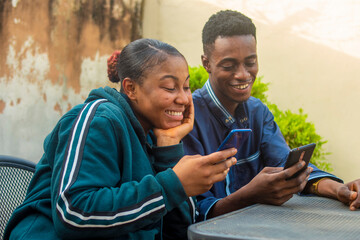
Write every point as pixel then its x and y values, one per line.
pixel 226 23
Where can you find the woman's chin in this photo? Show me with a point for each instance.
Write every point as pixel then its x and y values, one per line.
pixel 169 125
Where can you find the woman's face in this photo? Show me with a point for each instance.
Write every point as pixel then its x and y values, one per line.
pixel 163 97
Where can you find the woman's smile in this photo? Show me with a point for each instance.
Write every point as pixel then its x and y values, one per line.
pixel 175 115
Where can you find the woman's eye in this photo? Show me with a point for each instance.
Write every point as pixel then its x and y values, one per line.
pixel 186 88
pixel 170 89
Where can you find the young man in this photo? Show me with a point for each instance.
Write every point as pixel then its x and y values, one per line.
pixel 223 104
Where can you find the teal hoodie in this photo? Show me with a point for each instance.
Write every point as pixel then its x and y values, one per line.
pixel 100 177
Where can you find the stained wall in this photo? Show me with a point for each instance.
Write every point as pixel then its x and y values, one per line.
pixel 52 53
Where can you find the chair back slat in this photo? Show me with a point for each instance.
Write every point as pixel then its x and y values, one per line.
pixel 15 176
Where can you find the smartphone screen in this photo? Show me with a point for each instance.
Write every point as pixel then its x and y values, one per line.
pixel 294 156
pixel 235 139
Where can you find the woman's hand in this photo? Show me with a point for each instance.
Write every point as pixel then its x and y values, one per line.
pixel 172 136
pixel 198 173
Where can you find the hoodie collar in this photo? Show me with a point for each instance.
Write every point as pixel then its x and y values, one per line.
pixel 121 101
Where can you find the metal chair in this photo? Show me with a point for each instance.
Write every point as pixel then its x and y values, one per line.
pixel 15 176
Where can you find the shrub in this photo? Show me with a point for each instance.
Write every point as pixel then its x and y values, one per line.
pixel 198 77
pixel 296 129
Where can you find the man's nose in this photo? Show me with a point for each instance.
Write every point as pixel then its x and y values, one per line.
pixel 242 73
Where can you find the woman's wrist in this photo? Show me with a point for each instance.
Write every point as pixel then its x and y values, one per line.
pixel 167 141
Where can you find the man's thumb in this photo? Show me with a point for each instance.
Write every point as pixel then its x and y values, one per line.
pixel 353 195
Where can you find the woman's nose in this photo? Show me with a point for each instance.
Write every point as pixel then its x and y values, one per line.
pixel 182 97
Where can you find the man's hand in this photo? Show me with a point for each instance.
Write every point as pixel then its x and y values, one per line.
pixel 270 186
pixel 273 186
pixel 198 173
pixel 348 193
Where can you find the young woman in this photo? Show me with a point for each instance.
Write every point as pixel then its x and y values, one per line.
pixel 113 167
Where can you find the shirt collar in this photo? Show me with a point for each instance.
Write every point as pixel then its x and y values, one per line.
pixel 220 111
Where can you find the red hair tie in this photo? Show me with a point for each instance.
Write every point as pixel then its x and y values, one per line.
pixel 111 64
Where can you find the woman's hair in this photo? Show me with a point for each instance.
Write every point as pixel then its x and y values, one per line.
pixel 225 23
pixel 137 57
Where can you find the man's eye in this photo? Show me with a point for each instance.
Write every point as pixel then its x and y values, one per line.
pixel 250 64
pixel 228 67
pixel 186 88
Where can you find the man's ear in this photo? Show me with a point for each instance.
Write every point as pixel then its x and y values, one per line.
pixel 129 89
pixel 205 63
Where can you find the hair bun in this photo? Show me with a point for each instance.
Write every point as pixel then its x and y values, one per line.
pixel 111 66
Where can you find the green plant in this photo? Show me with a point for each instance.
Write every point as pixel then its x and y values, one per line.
pixel 295 127
pixel 198 77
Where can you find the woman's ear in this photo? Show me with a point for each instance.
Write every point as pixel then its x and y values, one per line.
pixel 205 63
pixel 129 89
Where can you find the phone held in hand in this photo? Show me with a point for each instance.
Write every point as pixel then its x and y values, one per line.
pixel 295 154
pixel 235 139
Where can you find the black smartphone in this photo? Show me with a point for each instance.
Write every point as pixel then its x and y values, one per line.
pixel 235 138
pixel 295 154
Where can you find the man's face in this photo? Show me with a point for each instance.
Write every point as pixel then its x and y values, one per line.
pixel 232 68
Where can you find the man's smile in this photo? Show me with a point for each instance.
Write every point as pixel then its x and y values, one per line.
pixel 242 86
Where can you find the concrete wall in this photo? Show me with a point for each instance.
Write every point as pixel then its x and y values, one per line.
pixel 308 50
pixel 52 53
